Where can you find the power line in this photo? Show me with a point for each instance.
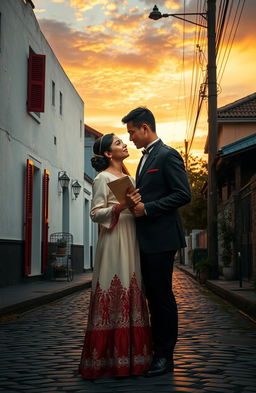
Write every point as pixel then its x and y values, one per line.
pixel 223 21
pixel 221 72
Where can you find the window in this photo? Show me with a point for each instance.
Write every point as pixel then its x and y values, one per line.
pixel 36 82
pixel 61 103
pixel 53 93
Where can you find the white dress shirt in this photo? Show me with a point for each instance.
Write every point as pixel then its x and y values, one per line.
pixel 145 156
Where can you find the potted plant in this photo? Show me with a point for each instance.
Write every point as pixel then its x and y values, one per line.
pixel 61 246
pixel 226 242
pixel 59 269
pixel 202 267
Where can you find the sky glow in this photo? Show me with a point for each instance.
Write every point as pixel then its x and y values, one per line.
pixel 118 59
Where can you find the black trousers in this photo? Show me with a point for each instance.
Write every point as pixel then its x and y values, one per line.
pixel 157 272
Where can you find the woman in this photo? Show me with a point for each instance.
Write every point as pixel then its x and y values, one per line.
pixel 117 340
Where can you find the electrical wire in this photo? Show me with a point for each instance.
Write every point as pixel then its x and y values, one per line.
pixel 223 22
pixel 222 69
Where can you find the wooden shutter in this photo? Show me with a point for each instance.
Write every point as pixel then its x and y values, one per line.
pixel 45 220
pixel 36 82
pixel 28 216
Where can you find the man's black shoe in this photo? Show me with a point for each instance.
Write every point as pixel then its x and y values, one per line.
pixel 159 366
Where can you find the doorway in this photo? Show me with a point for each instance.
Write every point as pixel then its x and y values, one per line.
pixel 36 224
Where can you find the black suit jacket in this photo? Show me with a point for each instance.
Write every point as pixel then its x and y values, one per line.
pixel 163 185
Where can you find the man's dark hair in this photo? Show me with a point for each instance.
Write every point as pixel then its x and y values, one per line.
pixel 139 116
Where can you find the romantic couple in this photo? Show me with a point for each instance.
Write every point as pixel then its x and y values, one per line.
pixel 134 256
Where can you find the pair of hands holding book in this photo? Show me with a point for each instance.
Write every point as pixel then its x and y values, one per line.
pixel 133 201
pixel 127 195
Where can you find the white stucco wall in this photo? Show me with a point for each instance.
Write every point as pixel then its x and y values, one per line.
pixel 22 137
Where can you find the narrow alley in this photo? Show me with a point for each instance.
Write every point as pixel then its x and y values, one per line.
pixel 216 351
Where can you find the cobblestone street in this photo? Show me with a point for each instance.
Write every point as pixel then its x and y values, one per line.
pixel 216 351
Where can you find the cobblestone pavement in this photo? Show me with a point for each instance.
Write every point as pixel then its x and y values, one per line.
pixel 216 351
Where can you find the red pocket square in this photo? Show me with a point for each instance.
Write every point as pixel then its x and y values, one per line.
pixel 152 170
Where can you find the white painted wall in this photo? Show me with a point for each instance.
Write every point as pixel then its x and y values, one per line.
pixel 22 137
pixel 90 228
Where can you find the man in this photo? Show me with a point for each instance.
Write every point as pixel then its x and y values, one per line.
pixel 163 185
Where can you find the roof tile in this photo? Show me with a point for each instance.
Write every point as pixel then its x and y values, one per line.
pixel 244 108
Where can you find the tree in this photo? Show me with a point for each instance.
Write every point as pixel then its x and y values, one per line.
pixel 194 214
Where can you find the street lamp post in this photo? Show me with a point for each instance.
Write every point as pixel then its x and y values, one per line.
pixel 212 232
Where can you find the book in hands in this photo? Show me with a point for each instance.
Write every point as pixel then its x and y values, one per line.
pixel 120 188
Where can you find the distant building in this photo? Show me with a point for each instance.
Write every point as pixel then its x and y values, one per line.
pixel 236 177
pixel 41 139
pixel 90 228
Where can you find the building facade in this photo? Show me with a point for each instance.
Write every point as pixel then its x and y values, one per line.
pixel 236 174
pixel 236 183
pixel 41 138
pixel 90 228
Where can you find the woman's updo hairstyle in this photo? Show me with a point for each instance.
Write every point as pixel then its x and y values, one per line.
pixel 99 161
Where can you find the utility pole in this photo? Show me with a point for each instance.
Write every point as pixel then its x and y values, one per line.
pixel 210 17
pixel 212 231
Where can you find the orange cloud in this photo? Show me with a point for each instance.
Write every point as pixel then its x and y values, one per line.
pixel 173 5
pixel 84 5
pixel 125 23
pixel 111 7
pixel 143 50
pixel 131 61
pixel 132 10
pixel 95 29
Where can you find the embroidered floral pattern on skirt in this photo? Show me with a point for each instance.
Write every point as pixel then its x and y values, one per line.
pixel 117 340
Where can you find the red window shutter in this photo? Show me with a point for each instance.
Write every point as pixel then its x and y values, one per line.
pixel 28 216
pixel 45 220
pixel 36 82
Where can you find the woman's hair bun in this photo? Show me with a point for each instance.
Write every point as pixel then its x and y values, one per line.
pixel 100 163
pixel 102 144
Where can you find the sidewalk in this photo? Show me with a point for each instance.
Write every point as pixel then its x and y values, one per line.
pixel 16 299
pixel 243 298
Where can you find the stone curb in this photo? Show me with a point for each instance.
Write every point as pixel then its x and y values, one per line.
pixel 244 305
pixel 41 300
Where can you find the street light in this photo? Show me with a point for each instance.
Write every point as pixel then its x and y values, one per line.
pixel 76 188
pixel 156 14
pixel 63 179
pixel 212 232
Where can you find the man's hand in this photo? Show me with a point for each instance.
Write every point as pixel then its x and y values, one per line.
pixel 138 210
pixel 132 198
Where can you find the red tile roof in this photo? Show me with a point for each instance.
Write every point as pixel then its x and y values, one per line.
pixel 245 108
pixel 92 131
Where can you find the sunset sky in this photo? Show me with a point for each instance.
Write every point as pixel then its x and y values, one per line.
pixel 118 59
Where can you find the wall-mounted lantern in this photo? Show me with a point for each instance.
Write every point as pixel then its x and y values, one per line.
pixel 76 188
pixel 63 179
